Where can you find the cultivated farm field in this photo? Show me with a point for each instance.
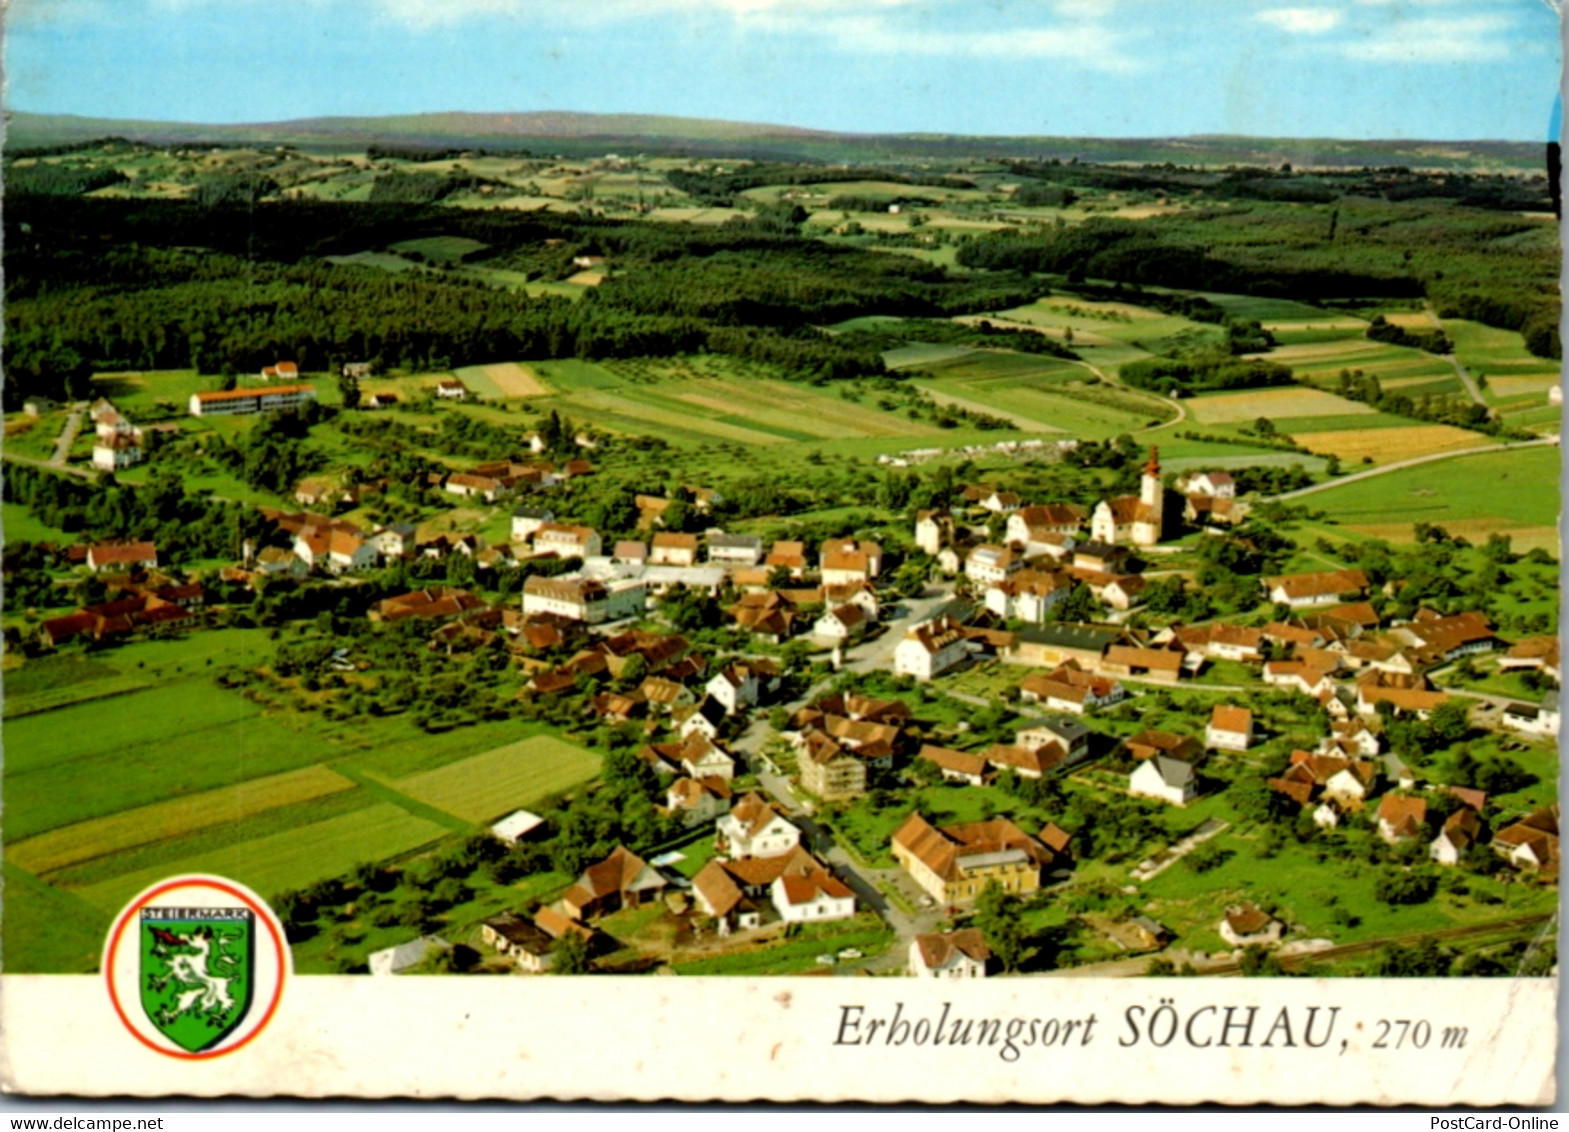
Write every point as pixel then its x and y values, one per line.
pixel 1300 401
pixel 490 785
pixel 1391 445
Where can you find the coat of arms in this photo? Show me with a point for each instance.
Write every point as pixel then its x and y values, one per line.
pixel 197 971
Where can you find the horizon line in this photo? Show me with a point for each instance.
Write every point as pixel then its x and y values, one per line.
pixel 13 111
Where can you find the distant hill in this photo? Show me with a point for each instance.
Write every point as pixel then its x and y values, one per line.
pixel 578 134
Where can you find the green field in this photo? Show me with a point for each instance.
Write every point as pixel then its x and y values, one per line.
pixel 1051 401
pixel 442 249
pixel 291 859
pixel 1515 492
pixel 490 785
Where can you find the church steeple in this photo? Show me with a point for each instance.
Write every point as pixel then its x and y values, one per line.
pixel 1150 490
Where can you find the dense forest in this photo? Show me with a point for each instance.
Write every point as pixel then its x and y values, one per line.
pixel 105 285
pixel 1501 270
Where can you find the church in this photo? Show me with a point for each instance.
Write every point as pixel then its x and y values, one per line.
pixel 1140 519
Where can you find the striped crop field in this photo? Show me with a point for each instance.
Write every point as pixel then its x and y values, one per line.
pixel 100 837
pixel 490 785
pixel 1285 402
pixel 291 859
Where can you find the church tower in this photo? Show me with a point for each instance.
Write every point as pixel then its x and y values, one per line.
pixel 1150 518
pixel 1150 490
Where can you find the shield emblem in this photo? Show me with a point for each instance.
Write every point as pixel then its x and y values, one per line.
pixel 197 971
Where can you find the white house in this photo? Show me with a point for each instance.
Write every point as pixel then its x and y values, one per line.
pixel 841 624
pixel 394 541
pixel 1167 780
pixel 1217 485
pixel 566 541
pixel 1028 595
pixel 735 686
pixel 1462 829
pixel 812 897
pixel 1541 719
pixel 734 550
pixel 987 563
pixel 527 520
pixel 700 758
pixel 334 550
pixel 1247 924
pixel 949 955
pixel 670 548
pixel 115 452
pixel 754 827
pixel 930 649
pixel 1230 728
pixel 932 530
pixel 1327 587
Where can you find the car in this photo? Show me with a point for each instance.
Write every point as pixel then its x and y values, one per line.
pixel 826 960
pixel 850 953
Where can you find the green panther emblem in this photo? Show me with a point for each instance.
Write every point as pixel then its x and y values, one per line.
pixel 197 972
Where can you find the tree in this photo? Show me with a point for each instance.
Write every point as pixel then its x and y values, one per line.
pixel 571 956
pixel 999 915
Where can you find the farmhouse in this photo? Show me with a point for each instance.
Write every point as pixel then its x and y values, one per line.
pixel 451 389
pixel 1401 816
pixel 787 554
pixel 933 530
pixel 1328 587
pixel 1531 842
pixel 956 766
pixel 1028 595
pixel 961 954
pixel 988 564
pixel 954 863
pixel 811 897
pixel 733 550
pixel 1533 719
pixel 237 402
pixel 1069 733
pixel 283 371
pixel 1461 830
pixel 1043 524
pixel 523 941
pixel 1247 925
pixel 1148 744
pixel 621 880
pixel 334 550
pixel 122 556
pixel 1051 646
pixel 842 625
pixel 1161 665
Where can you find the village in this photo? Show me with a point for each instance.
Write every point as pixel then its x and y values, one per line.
pixel 921 753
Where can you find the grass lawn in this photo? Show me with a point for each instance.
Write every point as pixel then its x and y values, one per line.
pixel 18 524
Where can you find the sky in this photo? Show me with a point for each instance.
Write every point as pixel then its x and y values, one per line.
pixel 1440 69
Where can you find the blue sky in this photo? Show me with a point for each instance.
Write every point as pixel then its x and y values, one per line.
pixel 1324 68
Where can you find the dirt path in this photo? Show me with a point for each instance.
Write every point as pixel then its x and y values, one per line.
pixel 1461 372
pixel 62 447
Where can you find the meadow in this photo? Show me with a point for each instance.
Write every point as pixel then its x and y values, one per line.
pixel 1514 492
pixel 1391 445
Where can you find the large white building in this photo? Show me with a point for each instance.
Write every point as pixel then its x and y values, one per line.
pixel 235 402
pixel 584 599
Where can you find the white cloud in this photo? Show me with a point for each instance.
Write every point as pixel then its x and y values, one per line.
pixel 1434 40
pixel 1302 21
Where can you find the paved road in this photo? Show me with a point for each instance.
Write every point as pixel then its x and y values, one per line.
pixel 1411 463
pixel 79 473
pixel 73 425
pixel 867 883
